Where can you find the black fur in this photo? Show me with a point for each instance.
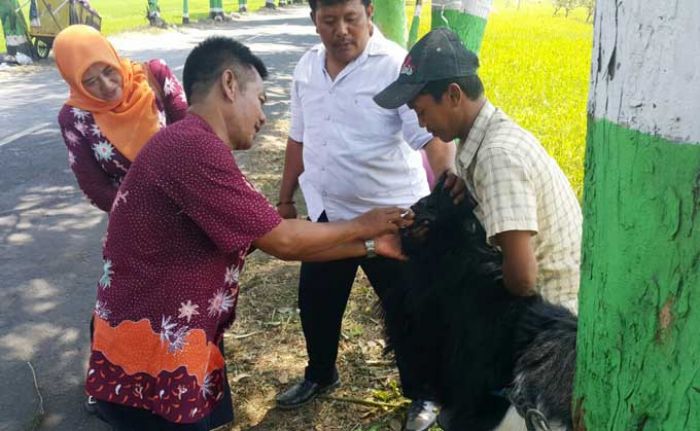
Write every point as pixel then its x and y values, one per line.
pixel 470 335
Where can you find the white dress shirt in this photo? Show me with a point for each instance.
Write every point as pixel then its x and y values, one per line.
pixel 357 155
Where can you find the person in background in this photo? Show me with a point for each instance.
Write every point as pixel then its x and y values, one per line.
pixel 115 106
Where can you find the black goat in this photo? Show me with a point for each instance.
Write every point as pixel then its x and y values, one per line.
pixel 478 347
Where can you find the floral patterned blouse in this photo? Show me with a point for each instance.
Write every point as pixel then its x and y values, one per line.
pixel 179 231
pixel 98 166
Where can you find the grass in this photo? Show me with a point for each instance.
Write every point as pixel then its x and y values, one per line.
pixel 536 67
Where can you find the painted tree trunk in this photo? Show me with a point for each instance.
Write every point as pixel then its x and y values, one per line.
pixel 638 365
pixel 390 17
pixel 185 11
pixel 242 6
pixel 14 28
pixel 467 18
pixel 153 12
pixel 415 25
pixel 216 10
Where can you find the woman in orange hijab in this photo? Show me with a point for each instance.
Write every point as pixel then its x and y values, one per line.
pixel 114 107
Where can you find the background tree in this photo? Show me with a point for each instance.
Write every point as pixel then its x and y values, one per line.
pixel 390 17
pixel 467 18
pixel 15 28
pixel 153 14
pixel 638 364
pixel 216 10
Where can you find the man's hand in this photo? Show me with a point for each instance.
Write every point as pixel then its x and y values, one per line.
pixel 380 221
pixel 389 246
pixel 456 186
pixel 519 261
pixel 287 210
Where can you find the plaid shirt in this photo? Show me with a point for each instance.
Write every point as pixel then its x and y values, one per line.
pixel 518 186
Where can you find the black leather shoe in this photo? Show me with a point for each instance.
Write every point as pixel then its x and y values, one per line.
pixel 302 393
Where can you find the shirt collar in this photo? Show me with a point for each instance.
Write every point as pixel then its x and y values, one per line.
pixel 468 148
pixel 376 45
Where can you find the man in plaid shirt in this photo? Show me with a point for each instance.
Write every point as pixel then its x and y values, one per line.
pixel 525 201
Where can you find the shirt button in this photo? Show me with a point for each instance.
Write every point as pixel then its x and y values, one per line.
pixel 328 117
pixel 325 143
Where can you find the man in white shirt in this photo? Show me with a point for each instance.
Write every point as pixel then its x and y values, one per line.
pixel 349 155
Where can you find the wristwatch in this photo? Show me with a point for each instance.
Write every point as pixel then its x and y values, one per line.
pixel 371 248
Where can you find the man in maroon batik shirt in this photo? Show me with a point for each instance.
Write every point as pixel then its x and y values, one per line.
pixel 180 227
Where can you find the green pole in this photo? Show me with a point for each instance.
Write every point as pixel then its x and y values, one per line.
pixel 14 28
pixel 185 12
pixel 638 356
pixel 467 18
pixel 216 10
pixel 415 24
pixel 390 17
pixel 242 6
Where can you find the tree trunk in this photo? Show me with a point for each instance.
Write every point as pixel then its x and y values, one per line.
pixel 390 17
pixel 216 10
pixel 153 13
pixel 467 18
pixel 638 365
pixel 14 28
pixel 185 12
pixel 415 24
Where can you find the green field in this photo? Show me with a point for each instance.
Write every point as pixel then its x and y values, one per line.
pixel 537 67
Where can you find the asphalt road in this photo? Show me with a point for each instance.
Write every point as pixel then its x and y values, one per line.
pixel 49 234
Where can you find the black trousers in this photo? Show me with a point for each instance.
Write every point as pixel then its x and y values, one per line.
pixel 324 289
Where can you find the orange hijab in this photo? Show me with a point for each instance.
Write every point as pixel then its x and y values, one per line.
pixel 128 123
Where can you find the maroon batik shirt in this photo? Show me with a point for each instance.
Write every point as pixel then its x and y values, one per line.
pixel 179 231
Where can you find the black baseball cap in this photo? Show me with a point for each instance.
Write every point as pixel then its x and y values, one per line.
pixel 440 54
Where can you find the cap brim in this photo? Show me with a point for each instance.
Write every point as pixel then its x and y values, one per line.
pixel 397 94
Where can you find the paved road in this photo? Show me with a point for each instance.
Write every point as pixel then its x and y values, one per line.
pixel 49 235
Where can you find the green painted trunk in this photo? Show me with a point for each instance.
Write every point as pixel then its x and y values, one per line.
pixel 390 17
pixel 638 353
pixel 466 18
pixel 14 27
pixel 415 25
pixel 153 6
pixel 638 358
pixel 470 28
pixel 216 9
pixel 185 11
